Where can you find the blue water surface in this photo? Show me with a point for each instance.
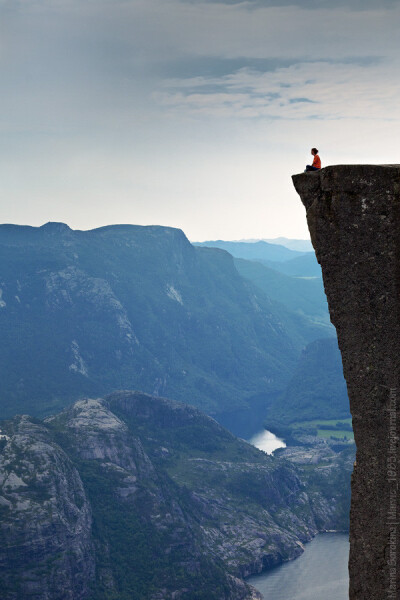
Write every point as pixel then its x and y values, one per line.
pixel 320 573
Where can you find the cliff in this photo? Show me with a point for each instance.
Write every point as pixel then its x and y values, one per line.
pixel 353 214
pixel 47 549
pixel 133 496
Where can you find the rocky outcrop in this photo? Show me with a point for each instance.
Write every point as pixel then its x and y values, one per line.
pixel 46 550
pixel 353 214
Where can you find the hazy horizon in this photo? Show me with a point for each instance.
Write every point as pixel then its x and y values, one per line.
pixel 193 241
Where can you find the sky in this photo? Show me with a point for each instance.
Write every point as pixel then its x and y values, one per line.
pixel 189 113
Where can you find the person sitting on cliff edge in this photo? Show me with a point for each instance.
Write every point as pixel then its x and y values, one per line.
pixel 316 162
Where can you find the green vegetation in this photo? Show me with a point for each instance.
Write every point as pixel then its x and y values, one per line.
pixel 195 448
pixel 144 543
pixel 335 434
pixel 136 549
pixel 131 546
pixel 330 428
pixel 327 423
pixel 316 390
pixel 303 296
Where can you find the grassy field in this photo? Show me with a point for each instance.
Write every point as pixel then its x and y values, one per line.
pixel 327 433
pixel 337 433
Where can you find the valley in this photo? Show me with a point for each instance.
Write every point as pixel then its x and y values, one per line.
pixel 154 498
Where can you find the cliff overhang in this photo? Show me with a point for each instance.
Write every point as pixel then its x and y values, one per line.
pixel 353 214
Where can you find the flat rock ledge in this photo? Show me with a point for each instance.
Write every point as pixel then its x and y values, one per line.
pixel 353 214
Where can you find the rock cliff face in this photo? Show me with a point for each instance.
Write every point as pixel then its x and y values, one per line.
pixel 46 550
pixel 353 214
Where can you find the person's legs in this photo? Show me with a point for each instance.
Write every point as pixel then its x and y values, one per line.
pixel 311 168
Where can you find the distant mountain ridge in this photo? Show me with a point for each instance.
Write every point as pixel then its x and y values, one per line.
pixel 260 250
pixel 275 256
pixel 301 267
pixel 290 243
pixel 124 306
pixel 293 244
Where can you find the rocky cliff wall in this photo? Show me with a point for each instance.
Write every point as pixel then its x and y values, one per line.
pixel 46 549
pixel 353 214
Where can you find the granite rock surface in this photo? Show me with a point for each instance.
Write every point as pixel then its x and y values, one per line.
pixel 353 214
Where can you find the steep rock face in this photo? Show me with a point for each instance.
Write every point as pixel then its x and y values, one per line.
pixel 96 433
pixel 353 214
pixel 46 550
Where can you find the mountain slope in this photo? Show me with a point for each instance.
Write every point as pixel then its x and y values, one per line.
pixel 141 498
pixel 305 296
pixel 317 388
pixel 275 256
pixel 300 266
pixel 88 312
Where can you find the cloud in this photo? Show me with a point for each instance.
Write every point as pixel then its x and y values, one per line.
pixel 70 65
pixel 324 90
pixel 309 4
pixel 158 110
pixel 301 100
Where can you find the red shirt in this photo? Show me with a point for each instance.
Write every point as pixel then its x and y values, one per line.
pixel 317 162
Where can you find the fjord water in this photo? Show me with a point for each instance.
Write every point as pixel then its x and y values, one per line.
pixel 267 441
pixel 320 572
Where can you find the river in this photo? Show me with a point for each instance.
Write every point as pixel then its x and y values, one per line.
pixel 319 573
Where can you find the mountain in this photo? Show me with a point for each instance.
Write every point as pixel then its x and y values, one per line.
pixel 253 251
pixel 141 498
pixel 279 258
pixel 88 312
pixel 300 266
pixel 298 245
pixel 317 389
pixel 305 296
